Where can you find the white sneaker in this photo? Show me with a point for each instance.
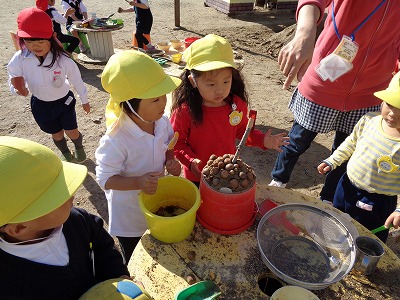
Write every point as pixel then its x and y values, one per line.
pixel 277 183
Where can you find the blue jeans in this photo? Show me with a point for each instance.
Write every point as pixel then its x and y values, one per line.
pixel 300 141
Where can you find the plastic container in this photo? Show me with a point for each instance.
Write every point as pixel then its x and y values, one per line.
pixel 171 190
pixel 176 44
pixel 163 46
pixel 226 213
pixel 176 58
pixel 291 292
pixel 188 41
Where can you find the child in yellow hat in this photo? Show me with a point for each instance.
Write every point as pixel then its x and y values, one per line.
pixel 134 152
pixel 48 248
pixel 368 190
pixel 210 107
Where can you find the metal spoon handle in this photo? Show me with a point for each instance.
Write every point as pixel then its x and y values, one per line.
pixel 250 124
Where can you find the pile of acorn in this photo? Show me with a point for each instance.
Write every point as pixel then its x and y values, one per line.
pixel 222 172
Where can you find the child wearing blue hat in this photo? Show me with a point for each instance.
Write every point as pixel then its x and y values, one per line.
pixel 368 190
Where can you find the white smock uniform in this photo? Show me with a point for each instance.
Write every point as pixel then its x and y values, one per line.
pixel 129 151
pixel 44 83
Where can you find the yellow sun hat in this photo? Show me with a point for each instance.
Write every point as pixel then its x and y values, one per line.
pixel 132 74
pixel 391 94
pixel 33 180
pixel 211 52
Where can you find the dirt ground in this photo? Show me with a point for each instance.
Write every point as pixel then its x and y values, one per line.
pixel 256 36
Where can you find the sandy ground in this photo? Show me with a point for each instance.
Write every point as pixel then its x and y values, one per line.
pixel 256 36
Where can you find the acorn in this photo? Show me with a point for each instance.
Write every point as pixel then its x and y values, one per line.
pixel 224 174
pixel 229 167
pixel 242 175
pixel 233 184
pixel 221 172
pixel 191 255
pixel 244 183
pixel 206 171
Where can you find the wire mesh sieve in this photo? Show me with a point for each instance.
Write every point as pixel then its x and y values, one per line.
pixel 309 256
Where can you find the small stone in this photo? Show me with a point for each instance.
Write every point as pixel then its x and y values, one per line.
pixel 191 255
pixel 212 275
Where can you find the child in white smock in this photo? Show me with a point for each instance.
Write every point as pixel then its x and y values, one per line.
pixel 45 69
pixel 134 153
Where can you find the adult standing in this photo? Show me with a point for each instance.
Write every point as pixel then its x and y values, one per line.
pixel 355 55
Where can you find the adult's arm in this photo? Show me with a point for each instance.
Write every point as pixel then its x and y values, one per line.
pixel 144 5
pixel 295 57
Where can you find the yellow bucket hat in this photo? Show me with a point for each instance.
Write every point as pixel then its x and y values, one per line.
pixel 132 74
pixel 33 180
pixel 392 93
pixel 211 52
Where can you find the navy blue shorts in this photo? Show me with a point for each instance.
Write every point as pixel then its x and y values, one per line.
pixel 346 197
pixel 54 116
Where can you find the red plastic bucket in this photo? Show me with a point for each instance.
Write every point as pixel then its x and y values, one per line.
pixel 188 41
pixel 226 213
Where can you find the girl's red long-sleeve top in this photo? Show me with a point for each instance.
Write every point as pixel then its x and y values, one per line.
pixel 214 136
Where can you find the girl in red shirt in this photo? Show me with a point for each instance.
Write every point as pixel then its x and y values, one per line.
pixel 210 107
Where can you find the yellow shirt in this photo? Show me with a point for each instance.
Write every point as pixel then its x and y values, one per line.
pixel 374 157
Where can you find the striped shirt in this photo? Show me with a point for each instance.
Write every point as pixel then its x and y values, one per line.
pixel 364 148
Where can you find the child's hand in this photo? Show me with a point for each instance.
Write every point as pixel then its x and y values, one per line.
pixel 323 168
pixel 120 10
pixel 394 219
pixel 69 12
pixel 23 92
pixel 86 107
pixel 194 167
pixel 148 182
pixel 275 141
pixel 19 86
pixel 173 167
